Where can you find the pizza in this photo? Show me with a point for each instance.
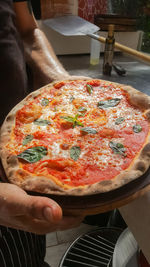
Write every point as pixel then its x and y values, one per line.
pixel 77 137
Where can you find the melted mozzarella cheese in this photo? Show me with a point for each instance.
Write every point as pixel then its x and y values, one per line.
pixel 94 149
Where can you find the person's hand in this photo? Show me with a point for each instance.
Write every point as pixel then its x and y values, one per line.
pixel 34 214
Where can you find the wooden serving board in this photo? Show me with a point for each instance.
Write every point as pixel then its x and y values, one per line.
pixel 95 204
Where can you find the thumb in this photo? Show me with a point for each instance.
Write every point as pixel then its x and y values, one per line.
pixel 15 202
pixel 43 208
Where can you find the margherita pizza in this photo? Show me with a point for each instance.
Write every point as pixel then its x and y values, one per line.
pixel 77 137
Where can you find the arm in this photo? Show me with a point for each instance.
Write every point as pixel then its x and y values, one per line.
pixel 39 53
pixel 18 209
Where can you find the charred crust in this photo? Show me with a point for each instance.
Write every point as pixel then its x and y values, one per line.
pixel 9 117
pixel 140 101
pixel 106 183
pixel 79 190
pixel 140 166
pixel 10 174
pixel 147 114
pixel 146 150
pixel 12 160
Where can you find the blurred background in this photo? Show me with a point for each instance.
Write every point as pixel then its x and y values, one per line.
pixel 128 16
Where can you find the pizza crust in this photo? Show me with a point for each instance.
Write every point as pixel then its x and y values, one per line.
pixel 44 185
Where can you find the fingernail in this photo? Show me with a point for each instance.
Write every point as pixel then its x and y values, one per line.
pixel 47 212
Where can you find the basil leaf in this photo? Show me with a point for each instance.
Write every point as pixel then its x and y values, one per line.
pixel 27 139
pixel 119 120
pixel 75 152
pixel 109 103
pixel 137 128
pixel 82 109
pixel 76 117
pixel 78 123
pixel 81 114
pixel 88 130
pixel 68 118
pixel 71 98
pixel 118 148
pixel 74 120
pixel 33 154
pixel 41 122
pixel 44 102
pixel 89 88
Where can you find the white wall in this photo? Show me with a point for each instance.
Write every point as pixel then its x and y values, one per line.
pixel 64 45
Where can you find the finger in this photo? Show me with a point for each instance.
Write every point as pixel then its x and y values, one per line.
pixel 44 208
pixel 36 226
pixel 8 223
pixel 30 224
pixel 41 208
pixel 15 201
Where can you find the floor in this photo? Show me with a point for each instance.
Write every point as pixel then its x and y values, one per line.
pixel 58 243
pixel 138 76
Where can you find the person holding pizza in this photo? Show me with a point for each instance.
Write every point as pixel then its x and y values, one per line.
pixel 25 219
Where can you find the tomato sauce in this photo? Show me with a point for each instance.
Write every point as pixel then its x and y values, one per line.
pixel 83 171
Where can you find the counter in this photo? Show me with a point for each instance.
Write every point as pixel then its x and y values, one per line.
pixel 138 73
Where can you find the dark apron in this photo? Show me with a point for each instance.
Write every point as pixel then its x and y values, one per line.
pixel 13 78
pixel 17 248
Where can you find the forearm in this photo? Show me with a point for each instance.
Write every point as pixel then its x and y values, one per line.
pixel 42 59
pixel 39 53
